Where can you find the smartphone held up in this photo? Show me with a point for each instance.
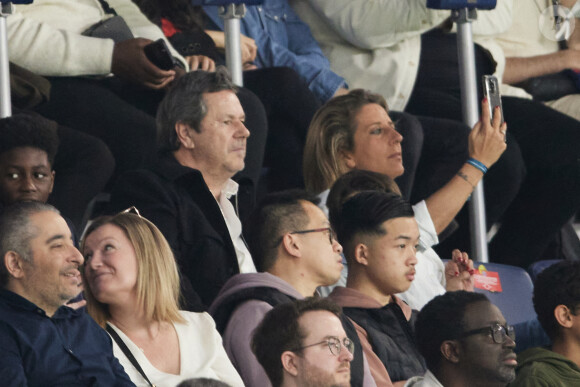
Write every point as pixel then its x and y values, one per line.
pixel 491 92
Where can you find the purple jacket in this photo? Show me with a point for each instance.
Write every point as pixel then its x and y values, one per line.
pixel 245 319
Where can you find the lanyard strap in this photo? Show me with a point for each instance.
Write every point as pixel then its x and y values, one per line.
pixel 127 353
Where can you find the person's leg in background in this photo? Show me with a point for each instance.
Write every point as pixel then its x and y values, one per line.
pixel 444 152
pixel 550 195
pixel 83 166
pixel 90 107
pixel 412 148
pixel 290 106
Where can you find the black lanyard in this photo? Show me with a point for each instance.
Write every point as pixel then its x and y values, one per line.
pixel 127 352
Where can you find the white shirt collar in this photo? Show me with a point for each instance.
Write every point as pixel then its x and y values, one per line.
pixel 245 262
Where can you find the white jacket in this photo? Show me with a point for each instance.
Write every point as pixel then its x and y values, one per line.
pixel 376 44
pixel 45 36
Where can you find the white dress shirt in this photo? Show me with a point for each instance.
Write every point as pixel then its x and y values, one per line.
pixel 235 227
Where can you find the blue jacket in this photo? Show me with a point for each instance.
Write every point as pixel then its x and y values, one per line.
pixel 283 40
pixel 67 349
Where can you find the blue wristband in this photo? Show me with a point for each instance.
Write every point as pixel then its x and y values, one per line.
pixel 477 164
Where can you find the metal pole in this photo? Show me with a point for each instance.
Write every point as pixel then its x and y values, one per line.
pixel 232 14
pixel 467 77
pixel 5 102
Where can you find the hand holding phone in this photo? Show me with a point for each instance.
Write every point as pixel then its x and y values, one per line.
pixel 487 140
pixel 491 92
pixel 158 53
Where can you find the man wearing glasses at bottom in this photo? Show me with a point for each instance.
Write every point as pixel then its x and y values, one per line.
pixel 303 343
pixel 465 341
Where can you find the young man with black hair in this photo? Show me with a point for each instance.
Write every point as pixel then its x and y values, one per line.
pixel 380 238
pixel 557 302
pixel 303 343
pixel 295 252
pixel 465 341
pixel 28 145
pixel 432 276
pixel 28 158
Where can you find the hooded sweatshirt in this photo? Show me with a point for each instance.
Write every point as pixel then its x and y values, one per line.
pixel 539 367
pixel 245 318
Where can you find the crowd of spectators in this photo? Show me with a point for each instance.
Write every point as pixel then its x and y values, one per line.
pixel 307 229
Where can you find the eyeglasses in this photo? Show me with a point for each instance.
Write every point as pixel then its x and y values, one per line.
pixel 499 332
pixel 331 233
pixel 131 210
pixel 334 344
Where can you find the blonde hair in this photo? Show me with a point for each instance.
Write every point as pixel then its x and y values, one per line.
pixel 331 133
pixel 158 291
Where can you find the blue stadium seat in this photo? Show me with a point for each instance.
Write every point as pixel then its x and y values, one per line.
pixel 515 300
pixel 537 267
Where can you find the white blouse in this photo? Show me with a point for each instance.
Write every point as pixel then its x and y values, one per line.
pixel 201 351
